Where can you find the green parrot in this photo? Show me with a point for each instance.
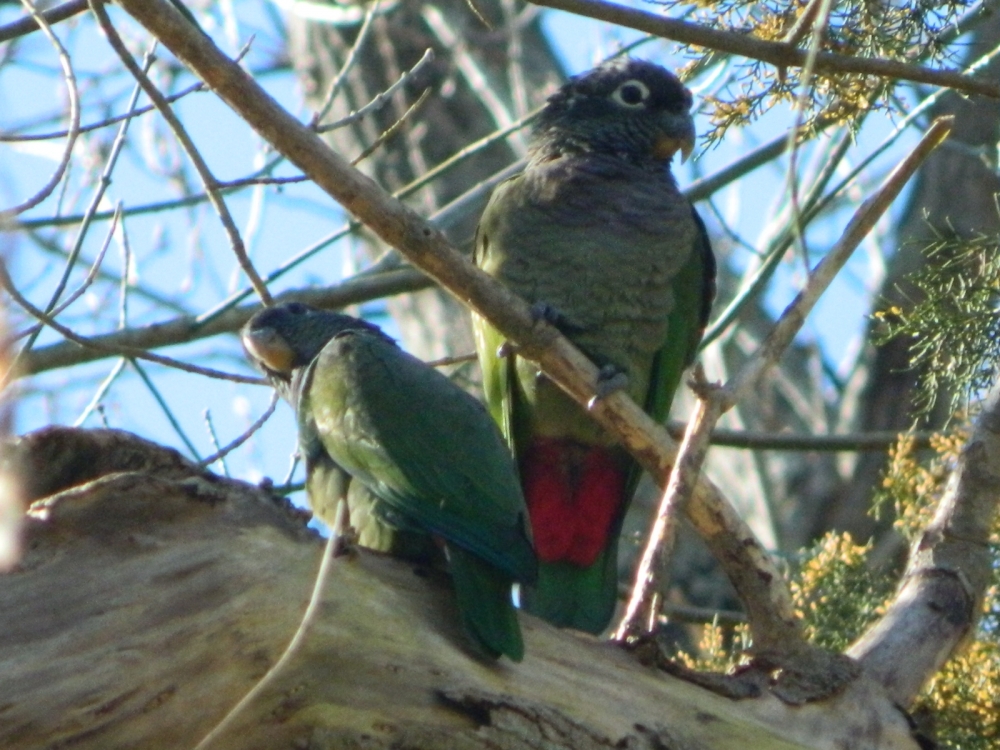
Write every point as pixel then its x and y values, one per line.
pixel 430 459
pixel 596 235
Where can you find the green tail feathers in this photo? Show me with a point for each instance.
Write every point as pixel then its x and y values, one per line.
pixel 485 606
pixel 572 597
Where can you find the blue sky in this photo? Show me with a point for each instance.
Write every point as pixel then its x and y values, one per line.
pixel 186 255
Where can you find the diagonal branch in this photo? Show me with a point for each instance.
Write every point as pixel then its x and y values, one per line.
pixel 779 54
pixel 752 572
pixel 713 402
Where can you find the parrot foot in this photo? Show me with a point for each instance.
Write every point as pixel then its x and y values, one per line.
pixel 345 535
pixel 506 349
pixel 552 316
pixel 345 543
pixel 610 378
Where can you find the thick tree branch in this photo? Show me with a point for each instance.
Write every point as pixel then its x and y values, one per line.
pixel 186 328
pixel 940 598
pixel 776 53
pixel 154 595
pixel 752 572
pixel 28 24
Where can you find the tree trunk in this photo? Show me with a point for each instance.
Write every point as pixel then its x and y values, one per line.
pixel 154 595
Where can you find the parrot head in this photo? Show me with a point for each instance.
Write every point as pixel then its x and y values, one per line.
pixel 630 109
pixel 283 339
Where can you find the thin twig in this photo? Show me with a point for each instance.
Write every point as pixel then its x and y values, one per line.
pixel 107 122
pixel 764 441
pixel 392 129
pixel 345 68
pixel 7 214
pixel 675 612
pixel 95 201
pixel 821 15
pixel 102 390
pixel 456 360
pixel 181 134
pixel 92 275
pixel 219 456
pixel 50 246
pixel 164 407
pixel 123 351
pixel 230 447
pixel 382 98
pixel 803 24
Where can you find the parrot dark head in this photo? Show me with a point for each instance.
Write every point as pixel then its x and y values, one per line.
pixel 282 339
pixel 630 109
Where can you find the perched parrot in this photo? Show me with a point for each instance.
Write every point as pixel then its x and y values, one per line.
pixel 427 452
pixel 595 234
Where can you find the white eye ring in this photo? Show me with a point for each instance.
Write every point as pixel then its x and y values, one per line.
pixel 632 86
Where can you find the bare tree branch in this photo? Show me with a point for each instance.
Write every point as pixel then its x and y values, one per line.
pixel 7 214
pixel 362 288
pixel 777 53
pixel 857 229
pixel 714 402
pixel 180 132
pixel 29 24
pixel 940 598
pixel 14 370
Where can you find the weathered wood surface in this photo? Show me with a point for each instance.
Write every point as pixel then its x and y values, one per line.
pixel 153 596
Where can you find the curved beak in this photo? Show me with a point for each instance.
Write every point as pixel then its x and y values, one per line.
pixel 677 134
pixel 268 349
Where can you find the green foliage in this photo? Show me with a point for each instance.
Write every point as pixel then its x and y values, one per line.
pixel 906 31
pixel 963 701
pixel 837 595
pixel 954 322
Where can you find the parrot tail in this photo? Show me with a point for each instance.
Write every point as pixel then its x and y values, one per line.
pixel 485 606
pixel 572 597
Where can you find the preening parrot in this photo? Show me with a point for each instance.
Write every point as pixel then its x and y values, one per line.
pixel 429 455
pixel 596 235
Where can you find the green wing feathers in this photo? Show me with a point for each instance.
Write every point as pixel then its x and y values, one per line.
pixel 484 600
pixel 435 460
pixel 694 290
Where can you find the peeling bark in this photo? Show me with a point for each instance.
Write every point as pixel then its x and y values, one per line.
pixel 941 594
pixel 153 595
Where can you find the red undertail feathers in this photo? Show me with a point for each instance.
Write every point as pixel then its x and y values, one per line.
pixel 573 493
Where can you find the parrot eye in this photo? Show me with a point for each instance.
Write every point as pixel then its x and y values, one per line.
pixel 631 94
pixel 297 308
